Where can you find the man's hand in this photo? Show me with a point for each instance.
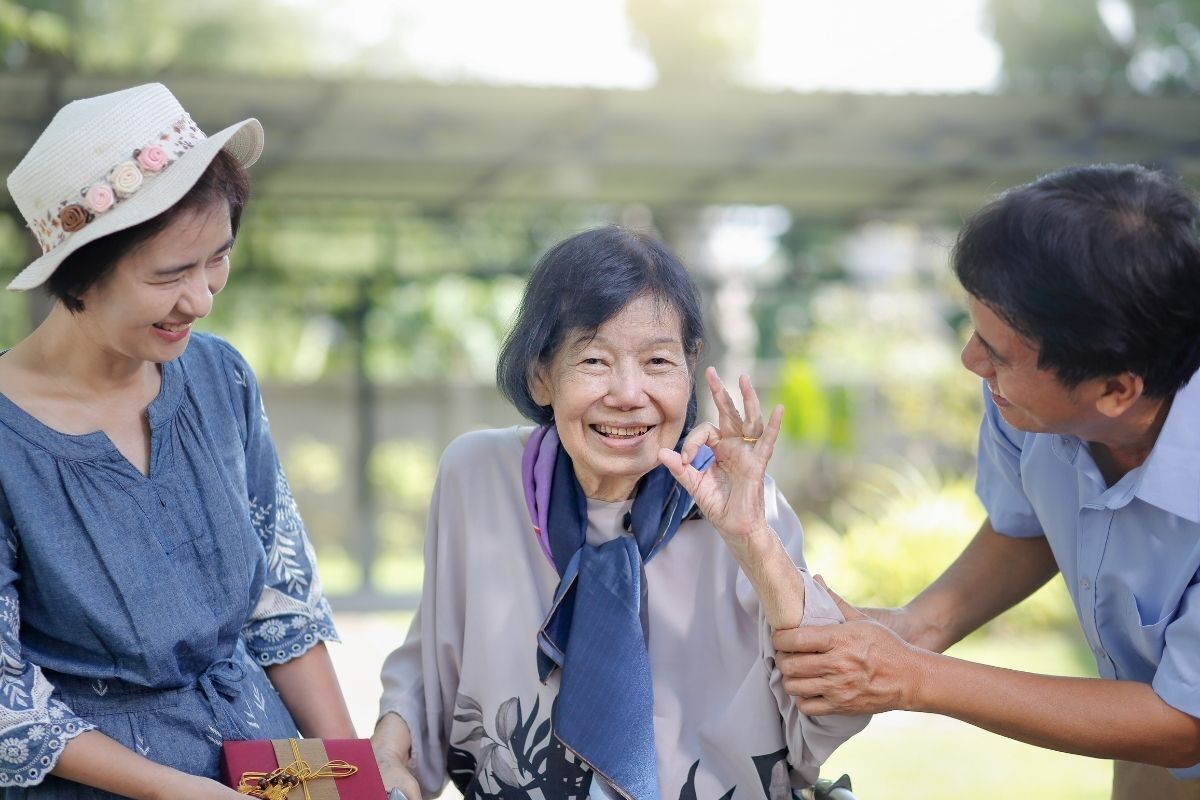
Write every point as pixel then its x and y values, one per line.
pixel 858 667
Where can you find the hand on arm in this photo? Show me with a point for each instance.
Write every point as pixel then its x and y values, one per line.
pixel 730 493
pixel 392 742
pixel 93 759
pixel 310 690
pixel 861 667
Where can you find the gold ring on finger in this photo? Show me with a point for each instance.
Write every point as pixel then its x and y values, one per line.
pixel 750 439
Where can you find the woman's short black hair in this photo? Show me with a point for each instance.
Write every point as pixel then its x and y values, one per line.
pixel 581 283
pixel 1099 267
pixel 223 179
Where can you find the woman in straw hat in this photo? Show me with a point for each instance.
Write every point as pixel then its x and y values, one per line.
pixel 157 591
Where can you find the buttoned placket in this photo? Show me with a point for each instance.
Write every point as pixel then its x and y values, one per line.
pixel 1094 524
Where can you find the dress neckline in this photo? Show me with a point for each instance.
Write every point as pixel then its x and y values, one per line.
pixel 96 444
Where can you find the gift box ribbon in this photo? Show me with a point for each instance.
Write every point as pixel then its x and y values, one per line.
pixel 296 757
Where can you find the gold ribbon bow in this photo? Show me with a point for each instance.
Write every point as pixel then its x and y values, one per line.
pixel 277 784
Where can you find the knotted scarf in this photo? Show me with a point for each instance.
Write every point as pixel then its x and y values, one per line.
pixel 597 626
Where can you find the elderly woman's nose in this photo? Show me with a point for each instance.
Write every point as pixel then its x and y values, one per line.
pixel 626 388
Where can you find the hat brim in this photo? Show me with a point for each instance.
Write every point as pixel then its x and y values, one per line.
pixel 244 141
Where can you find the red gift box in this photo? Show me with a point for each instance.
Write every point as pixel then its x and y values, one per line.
pixel 266 756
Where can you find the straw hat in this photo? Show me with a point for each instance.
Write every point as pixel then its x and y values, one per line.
pixel 108 163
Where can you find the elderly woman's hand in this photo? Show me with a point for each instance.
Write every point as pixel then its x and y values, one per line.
pixel 392 743
pixel 731 495
pixel 730 491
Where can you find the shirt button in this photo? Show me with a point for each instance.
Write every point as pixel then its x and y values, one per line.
pixel 1085 584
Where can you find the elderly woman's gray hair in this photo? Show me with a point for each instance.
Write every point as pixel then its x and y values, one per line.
pixel 581 283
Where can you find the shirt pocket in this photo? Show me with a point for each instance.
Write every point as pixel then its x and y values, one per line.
pixel 1145 629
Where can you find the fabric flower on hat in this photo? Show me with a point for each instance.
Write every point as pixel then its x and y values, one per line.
pixel 73 217
pixel 125 178
pixel 99 198
pixel 152 158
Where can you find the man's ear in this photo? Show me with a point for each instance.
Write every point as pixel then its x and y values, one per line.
pixel 539 387
pixel 1118 393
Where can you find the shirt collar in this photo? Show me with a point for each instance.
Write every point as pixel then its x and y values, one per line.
pixel 1170 476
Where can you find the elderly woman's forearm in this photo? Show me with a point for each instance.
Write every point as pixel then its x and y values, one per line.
pixel 773 575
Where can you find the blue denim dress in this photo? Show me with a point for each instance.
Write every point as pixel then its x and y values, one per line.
pixel 147 607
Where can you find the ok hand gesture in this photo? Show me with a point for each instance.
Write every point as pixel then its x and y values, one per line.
pixel 730 491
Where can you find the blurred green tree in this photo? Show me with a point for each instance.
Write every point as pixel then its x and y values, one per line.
pixel 29 31
pixel 148 37
pixel 696 41
pixel 1098 46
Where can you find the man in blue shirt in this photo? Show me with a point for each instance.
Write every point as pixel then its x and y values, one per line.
pixel 1084 290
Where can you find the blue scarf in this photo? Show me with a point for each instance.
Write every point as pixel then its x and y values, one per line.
pixel 605 707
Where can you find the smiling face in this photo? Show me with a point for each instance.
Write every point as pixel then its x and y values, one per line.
pixel 1028 397
pixel 619 396
pixel 143 309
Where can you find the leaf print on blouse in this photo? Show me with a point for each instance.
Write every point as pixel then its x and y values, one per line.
pixel 521 759
pixel 281 534
pixel 688 792
pixel 775 774
pixel 13 679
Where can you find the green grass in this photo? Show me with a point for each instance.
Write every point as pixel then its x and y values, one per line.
pixel 903 755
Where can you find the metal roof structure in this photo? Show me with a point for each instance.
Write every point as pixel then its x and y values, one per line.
pixel 437 146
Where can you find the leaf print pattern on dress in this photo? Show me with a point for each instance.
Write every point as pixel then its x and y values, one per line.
pixel 522 760
pixel 213 735
pixel 12 679
pixel 281 534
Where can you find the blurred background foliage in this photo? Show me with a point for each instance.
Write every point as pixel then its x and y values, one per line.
pixel 375 328
pixel 852 321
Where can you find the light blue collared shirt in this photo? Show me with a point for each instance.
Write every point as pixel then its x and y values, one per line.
pixel 1130 552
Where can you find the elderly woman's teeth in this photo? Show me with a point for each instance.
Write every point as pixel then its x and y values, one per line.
pixel 609 430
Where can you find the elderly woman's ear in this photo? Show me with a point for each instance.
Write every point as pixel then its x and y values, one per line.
pixel 539 387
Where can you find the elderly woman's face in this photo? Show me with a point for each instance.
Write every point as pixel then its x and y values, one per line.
pixel 619 396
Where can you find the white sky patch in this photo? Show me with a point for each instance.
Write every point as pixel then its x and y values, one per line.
pixel 560 42
pixel 804 45
pixel 1117 17
pixel 877 46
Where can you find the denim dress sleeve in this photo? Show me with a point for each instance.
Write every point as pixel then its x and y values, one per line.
pixel 34 727
pixel 292 614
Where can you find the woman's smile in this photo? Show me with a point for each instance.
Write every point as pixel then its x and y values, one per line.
pixel 173 331
pixel 622 435
pixel 619 395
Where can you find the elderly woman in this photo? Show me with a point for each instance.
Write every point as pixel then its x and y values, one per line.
pixel 157 590
pixel 600 592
